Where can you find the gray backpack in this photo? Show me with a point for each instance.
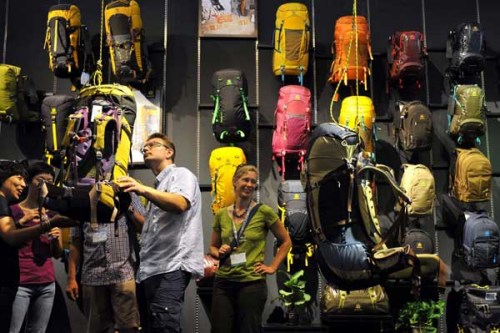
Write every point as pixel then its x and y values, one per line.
pixel 480 241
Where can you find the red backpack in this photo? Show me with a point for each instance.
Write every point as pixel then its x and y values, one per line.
pixel 293 123
pixel 407 53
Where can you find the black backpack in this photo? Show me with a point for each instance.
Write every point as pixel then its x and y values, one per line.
pixel 413 127
pixel 292 204
pixel 465 49
pixel 480 241
pixel 231 120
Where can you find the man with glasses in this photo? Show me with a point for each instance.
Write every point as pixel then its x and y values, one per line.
pixel 171 239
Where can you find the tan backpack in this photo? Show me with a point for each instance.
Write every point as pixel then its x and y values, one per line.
pixel 419 185
pixel 472 181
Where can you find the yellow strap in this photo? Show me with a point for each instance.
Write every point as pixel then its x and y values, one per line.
pixel 53 113
pixel 342 297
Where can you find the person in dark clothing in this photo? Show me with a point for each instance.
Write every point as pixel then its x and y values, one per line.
pixel 12 185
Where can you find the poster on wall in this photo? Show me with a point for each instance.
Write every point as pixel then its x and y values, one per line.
pixel 228 18
pixel 147 121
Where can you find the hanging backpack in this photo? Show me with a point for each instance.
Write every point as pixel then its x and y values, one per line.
pixel 480 246
pixel 358 113
pixel 351 251
pixel 350 56
pixel 97 139
pixel 291 40
pixel 125 38
pixel 419 185
pixel 465 49
pixel 230 120
pixel 407 58
pixel 419 241
pixel 223 162
pixel 413 127
pixel 55 112
pixel 18 97
pixel 466 113
pixel 293 208
pixel 293 124
pixel 472 181
pixel 66 41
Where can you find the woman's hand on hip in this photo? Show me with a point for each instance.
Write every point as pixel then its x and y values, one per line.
pixel 261 268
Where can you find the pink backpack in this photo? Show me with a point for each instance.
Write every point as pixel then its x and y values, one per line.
pixel 293 123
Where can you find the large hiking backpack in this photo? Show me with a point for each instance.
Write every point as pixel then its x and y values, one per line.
pixel 223 162
pixel 350 56
pixel 125 38
pixel 419 185
pixel 66 41
pixel 231 120
pixel 472 181
pixel 358 113
pixel 466 112
pixel 293 123
pixel 465 49
pixel 407 53
pixel 413 126
pixel 55 112
pixel 480 246
pixel 98 135
pixel 291 40
pixel 351 251
pixel 18 97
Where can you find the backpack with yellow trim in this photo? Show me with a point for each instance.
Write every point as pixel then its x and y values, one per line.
pixel 291 40
pixel 125 39
pixel 223 163
pixel 66 41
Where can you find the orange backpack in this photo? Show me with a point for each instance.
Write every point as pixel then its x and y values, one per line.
pixel 350 56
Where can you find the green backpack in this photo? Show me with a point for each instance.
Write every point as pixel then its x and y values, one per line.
pixel 467 112
pixel 17 96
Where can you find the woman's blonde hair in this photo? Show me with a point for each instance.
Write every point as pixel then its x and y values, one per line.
pixel 242 169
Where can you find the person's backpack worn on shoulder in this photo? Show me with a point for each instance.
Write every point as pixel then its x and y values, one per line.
pixel 413 126
pixel 223 163
pixel 407 53
pixel 293 124
pixel 18 97
pixel 231 119
pixel 291 41
pixel 472 179
pixel 465 50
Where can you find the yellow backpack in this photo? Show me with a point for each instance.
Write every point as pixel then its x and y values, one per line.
pixel 223 163
pixel 358 113
pixel 124 36
pixel 291 40
pixel 473 171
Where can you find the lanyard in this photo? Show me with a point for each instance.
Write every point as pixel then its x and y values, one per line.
pixel 237 235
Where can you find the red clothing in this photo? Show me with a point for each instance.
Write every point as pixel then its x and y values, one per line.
pixel 35 264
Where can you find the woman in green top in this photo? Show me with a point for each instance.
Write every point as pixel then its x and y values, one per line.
pixel 240 289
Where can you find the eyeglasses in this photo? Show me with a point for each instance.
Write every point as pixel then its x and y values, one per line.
pixel 45 180
pixel 153 145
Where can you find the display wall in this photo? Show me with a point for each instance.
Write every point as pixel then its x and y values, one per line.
pixel 182 84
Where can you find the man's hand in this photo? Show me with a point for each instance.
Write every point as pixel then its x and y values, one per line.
pixel 72 289
pixel 129 184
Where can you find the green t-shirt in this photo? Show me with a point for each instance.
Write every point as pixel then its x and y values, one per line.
pixel 252 243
